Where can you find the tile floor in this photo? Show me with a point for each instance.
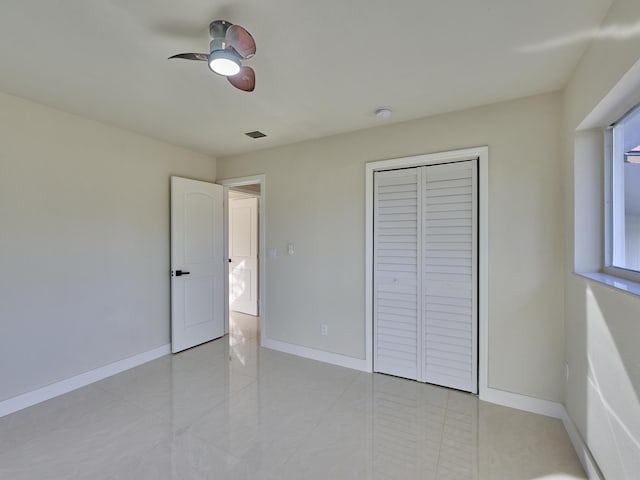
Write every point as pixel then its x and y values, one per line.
pixel 231 410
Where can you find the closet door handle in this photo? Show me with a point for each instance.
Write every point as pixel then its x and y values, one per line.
pixel 179 273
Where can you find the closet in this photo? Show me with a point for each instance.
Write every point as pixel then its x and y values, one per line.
pixel 425 287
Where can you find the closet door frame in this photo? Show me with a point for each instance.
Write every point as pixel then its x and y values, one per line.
pixel 482 155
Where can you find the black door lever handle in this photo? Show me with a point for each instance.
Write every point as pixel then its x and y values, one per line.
pixel 179 273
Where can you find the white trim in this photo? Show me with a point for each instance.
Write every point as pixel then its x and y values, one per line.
pixel 613 281
pixel 483 272
pixel 584 454
pixel 608 196
pixel 245 192
pixel 59 388
pixel 319 355
pixel 262 247
pixel 523 402
pixel 482 154
pixel 368 267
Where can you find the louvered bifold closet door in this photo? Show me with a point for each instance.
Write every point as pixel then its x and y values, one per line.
pixel 449 275
pixel 397 326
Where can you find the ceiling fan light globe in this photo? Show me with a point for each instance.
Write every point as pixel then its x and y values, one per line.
pixel 224 63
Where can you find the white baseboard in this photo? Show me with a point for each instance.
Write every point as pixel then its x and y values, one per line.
pixel 584 454
pixel 319 355
pixel 522 402
pixel 45 393
pixel 492 395
pixel 550 409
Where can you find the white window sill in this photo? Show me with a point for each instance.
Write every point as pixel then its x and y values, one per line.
pixel 618 283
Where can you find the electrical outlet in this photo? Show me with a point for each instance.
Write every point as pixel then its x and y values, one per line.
pixel 324 329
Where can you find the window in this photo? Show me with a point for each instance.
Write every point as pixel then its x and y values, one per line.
pixel 622 190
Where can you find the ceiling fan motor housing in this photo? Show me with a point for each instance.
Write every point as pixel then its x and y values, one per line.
pixel 218 32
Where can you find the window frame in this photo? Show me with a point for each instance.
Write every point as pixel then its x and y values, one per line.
pixel 611 139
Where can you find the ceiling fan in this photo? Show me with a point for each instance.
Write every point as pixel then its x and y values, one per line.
pixel 229 45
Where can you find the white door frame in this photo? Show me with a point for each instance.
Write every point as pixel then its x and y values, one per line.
pixel 262 242
pixel 482 154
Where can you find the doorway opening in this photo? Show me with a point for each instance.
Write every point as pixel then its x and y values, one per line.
pixel 243 204
pixel 245 272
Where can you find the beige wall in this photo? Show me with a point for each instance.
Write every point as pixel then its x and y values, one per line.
pixel 315 200
pixel 84 247
pixel 603 324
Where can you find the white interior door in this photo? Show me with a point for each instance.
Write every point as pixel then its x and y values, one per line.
pixel 243 253
pixel 197 307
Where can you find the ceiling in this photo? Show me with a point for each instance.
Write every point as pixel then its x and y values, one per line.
pixel 322 67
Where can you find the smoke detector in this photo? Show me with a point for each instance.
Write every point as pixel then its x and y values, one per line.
pixel 383 113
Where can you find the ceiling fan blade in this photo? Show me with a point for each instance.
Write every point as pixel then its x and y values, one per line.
pixel 192 56
pixel 245 80
pixel 241 41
